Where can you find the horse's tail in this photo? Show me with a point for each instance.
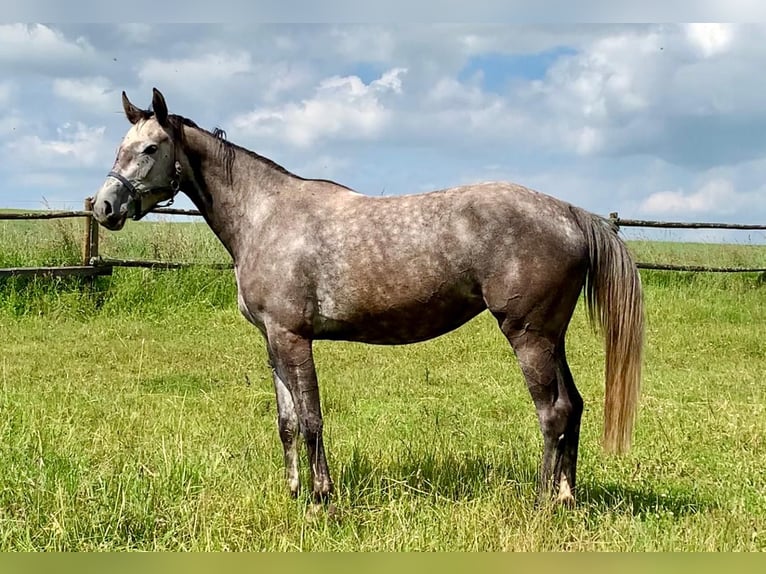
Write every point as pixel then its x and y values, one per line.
pixel 614 301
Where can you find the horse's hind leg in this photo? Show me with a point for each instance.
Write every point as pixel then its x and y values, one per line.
pixel 289 431
pixel 566 472
pixel 559 407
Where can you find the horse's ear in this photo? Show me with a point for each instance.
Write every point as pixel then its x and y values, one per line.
pixel 133 113
pixel 160 107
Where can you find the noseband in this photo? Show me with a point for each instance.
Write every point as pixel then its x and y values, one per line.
pixel 135 195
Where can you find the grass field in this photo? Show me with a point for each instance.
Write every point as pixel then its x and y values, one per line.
pixel 139 414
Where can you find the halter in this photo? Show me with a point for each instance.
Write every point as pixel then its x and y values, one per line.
pixel 135 195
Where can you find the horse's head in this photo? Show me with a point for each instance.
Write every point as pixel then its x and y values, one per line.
pixel 147 169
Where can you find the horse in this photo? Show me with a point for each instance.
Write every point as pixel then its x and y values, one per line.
pixel 314 259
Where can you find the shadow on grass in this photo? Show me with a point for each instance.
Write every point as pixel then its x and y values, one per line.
pixel 432 474
pixel 460 477
pixel 641 501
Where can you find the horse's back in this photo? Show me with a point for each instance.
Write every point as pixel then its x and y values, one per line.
pixel 472 226
pixel 407 268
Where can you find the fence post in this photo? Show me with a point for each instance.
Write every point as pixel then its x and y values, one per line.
pixel 90 242
pixel 614 217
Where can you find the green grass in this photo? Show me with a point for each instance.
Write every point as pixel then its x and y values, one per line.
pixel 139 414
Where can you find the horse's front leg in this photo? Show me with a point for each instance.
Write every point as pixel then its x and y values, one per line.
pixel 289 428
pixel 294 366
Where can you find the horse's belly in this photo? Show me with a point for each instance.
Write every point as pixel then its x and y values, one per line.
pixel 406 322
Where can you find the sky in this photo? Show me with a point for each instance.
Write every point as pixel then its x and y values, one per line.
pixel 652 121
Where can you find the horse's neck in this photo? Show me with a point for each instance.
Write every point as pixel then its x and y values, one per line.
pixel 230 205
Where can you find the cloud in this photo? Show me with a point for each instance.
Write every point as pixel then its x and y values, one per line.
pixel 665 92
pixel 75 146
pixel 684 94
pixel 591 100
pixel 10 123
pixel 715 197
pixel 95 94
pixel 136 33
pixel 343 107
pixel 466 116
pixel 35 48
pixel 369 43
pixel 710 38
pixel 214 66
pixel 225 78
pixel 6 93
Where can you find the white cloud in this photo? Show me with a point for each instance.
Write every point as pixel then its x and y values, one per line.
pixel 10 123
pixel 21 43
pixel 273 81
pixel 709 38
pixel 529 39
pixel 440 49
pixel 225 78
pixel 208 68
pixel 590 99
pixel 6 93
pixel 91 93
pixel 135 32
pixel 449 91
pixel 371 43
pixel 342 107
pixel 715 197
pixel 76 146
pixel 465 115
pixel 653 91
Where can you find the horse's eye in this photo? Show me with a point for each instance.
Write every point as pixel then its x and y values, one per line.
pixel 150 149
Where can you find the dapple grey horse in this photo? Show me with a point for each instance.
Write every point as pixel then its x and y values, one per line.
pixel 316 260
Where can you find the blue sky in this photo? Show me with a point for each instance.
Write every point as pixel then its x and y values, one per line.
pixel 653 121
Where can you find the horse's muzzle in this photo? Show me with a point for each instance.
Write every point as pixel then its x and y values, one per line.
pixel 106 215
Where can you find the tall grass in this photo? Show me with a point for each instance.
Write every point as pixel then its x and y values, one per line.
pixel 58 242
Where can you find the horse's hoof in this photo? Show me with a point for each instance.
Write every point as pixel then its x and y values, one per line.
pixel 313 512
pixel 316 510
pixel 565 497
pixel 332 512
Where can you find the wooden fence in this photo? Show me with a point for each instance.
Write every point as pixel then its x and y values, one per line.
pixel 93 263
pixel 615 218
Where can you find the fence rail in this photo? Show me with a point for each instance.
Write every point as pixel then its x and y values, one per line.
pixel 63 271
pixel 109 262
pixel 699 268
pixel 44 214
pixel 93 264
pixel 176 211
pixel 614 216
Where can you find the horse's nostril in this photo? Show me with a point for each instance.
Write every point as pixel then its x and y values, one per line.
pixel 107 208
